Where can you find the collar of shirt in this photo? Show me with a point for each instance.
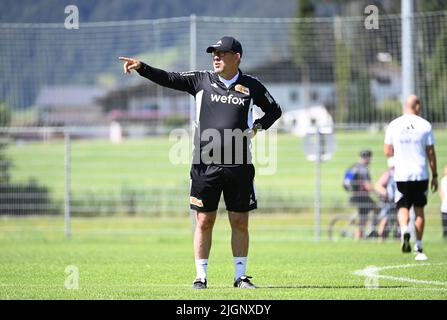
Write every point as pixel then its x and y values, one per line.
pixel 228 83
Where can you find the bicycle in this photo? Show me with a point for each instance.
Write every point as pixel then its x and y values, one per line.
pixel 345 225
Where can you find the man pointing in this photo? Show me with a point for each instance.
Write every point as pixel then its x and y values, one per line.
pixel 221 159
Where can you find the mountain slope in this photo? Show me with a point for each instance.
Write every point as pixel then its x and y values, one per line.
pixel 112 10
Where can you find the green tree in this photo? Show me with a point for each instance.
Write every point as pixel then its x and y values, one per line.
pixel 361 108
pixel 5 164
pixel 5 115
pixel 389 109
pixel 304 34
pixel 437 80
pixel 342 70
pixel 430 5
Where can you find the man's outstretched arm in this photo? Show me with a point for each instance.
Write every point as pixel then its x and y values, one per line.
pixel 183 81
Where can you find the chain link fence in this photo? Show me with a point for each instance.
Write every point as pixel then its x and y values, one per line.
pixel 327 72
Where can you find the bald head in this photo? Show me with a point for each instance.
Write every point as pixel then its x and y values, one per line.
pixel 412 105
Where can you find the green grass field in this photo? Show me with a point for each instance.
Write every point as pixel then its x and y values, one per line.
pixel 149 258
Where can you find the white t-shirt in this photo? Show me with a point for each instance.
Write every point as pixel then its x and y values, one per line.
pixel 444 190
pixel 410 135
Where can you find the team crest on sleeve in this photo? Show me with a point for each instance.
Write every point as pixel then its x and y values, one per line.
pixel 242 89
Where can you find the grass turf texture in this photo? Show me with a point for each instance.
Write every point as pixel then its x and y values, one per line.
pixel 150 258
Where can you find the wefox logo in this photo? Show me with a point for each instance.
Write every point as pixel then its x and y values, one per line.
pixel 230 99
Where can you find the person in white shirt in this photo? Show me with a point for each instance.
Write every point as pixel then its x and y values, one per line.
pixel 409 138
pixel 386 188
pixel 443 195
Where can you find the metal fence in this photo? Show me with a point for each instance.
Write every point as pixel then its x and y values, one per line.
pixel 63 90
pixel 50 171
pixel 340 62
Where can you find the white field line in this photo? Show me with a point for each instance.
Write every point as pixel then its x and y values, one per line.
pixel 372 272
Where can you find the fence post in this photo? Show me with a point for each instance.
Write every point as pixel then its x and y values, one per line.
pixel 192 62
pixel 192 103
pixel 67 184
pixel 318 186
pixel 407 49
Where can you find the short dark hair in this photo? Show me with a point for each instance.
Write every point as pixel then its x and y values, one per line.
pixel 366 153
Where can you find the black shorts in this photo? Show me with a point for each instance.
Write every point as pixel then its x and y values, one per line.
pixel 236 183
pixel 364 203
pixel 413 193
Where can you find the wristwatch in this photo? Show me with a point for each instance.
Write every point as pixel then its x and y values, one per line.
pixel 257 126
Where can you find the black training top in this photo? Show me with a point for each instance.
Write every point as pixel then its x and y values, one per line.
pixel 220 112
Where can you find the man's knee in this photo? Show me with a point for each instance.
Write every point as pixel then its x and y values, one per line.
pixel 419 212
pixel 205 221
pixel 238 221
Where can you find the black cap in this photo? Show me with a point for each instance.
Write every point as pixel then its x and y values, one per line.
pixel 366 153
pixel 226 44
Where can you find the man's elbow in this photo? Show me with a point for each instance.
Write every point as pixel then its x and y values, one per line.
pixel 430 150
pixel 388 150
pixel 278 112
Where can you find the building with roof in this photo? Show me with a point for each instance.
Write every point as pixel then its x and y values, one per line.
pixel 70 106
